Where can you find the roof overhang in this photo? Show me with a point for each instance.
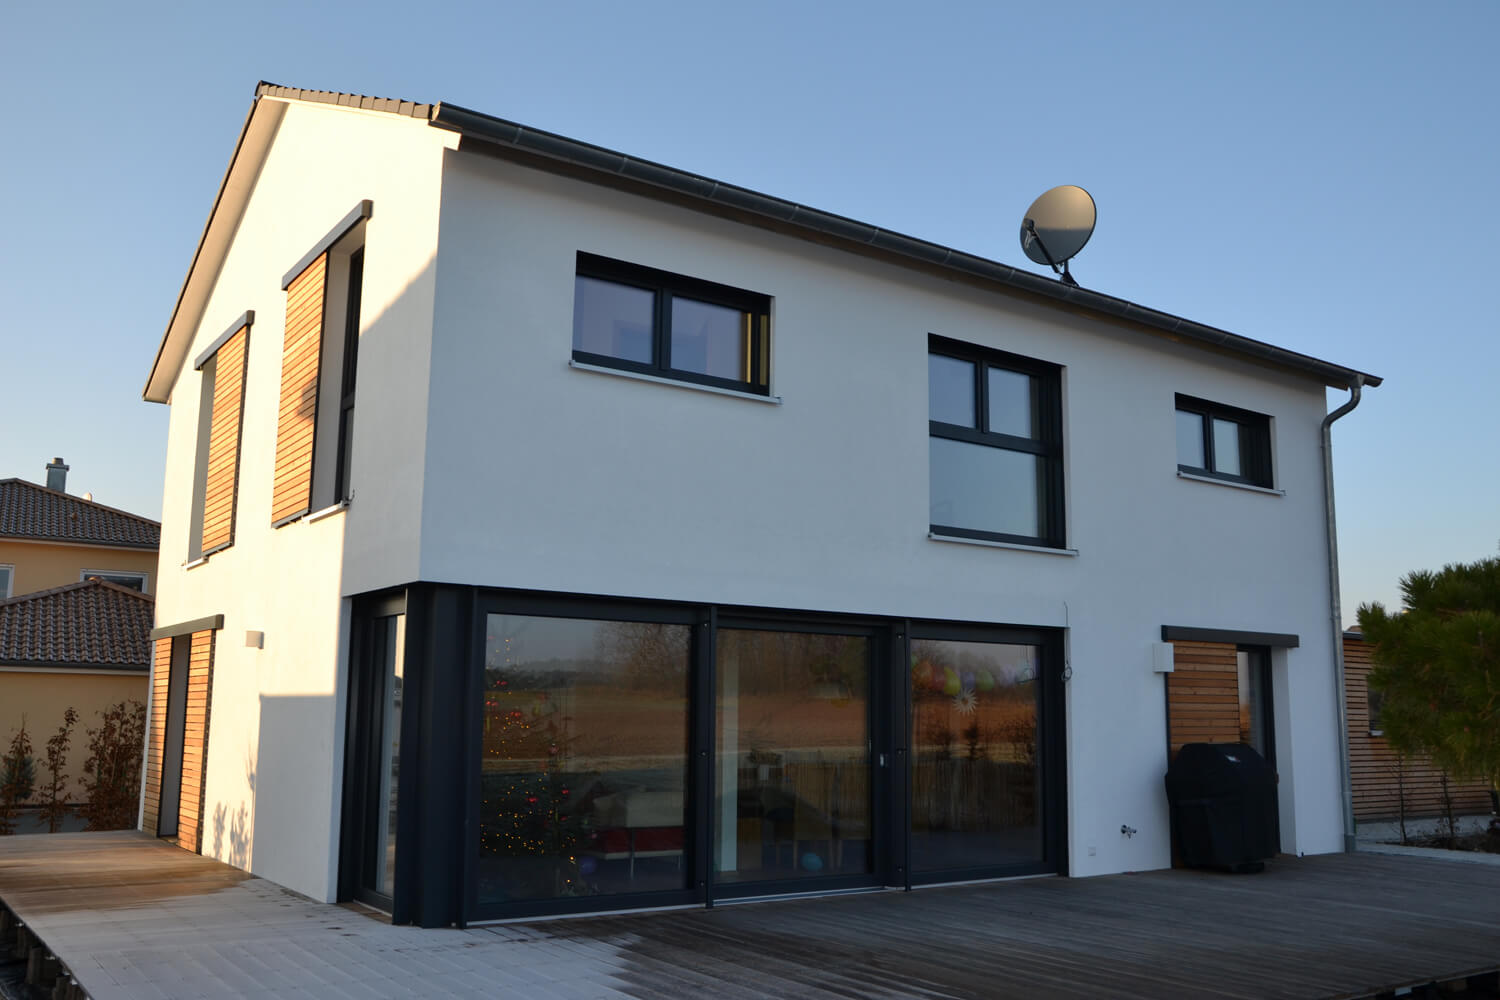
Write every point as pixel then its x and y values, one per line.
pixel 558 154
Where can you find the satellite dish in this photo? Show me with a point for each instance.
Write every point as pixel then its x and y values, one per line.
pixel 1056 227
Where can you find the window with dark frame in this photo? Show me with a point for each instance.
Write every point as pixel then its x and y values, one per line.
pixel 1374 700
pixel 351 357
pixel 995 446
pixel 1223 442
pixel 652 322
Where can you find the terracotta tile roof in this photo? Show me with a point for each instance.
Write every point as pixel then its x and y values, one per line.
pixel 88 624
pixel 31 511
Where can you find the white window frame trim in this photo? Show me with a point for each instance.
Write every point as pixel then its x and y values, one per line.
pixel 84 574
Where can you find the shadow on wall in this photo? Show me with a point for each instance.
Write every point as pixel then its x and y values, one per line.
pixel 237 828
pixel 272 819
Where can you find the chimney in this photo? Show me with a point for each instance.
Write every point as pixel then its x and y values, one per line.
pixel 57 476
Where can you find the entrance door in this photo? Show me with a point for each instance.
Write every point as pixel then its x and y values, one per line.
pixel 793 805
pixel 376 694
pixel 176 734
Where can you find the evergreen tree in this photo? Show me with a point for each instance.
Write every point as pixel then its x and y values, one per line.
pixel 1437 664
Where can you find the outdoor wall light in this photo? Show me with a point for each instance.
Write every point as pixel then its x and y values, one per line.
pixel 255 640
pixel 1162 661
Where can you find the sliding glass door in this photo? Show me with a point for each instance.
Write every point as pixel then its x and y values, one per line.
pixel 583 759
pixel 793 756
pixel 986 754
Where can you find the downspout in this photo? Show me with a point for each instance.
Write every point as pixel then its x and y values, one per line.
pixel 1336 611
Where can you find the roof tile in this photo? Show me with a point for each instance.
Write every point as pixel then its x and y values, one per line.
pixel 31 511
pixel 92 623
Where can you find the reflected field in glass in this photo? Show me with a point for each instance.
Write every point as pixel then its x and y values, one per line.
pixel 976 783
pixel 583 758
pixel 793 760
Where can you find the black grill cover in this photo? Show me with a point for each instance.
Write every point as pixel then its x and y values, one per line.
pixel 1223 799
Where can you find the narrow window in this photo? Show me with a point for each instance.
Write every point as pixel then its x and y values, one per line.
pixel 221 410
pixel 653 322
pixel 315 423
pixel 6 573
pixel 995 451
pixel 1223 442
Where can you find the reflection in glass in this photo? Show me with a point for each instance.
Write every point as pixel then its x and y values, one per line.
pixel 710 340
pixel 975 777
pixel 950 390
pixel 1227 447
pixel 612 319
pixel 1252 686
pixel 1009 400
pixel 793 757
pixel 584 758
pixel 984 489
pixel 393 640
pixel 1190 440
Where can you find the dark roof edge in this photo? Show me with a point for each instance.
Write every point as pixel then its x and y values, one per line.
pixel 859 235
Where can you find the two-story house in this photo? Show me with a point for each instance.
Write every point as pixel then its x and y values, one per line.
pixel 548 530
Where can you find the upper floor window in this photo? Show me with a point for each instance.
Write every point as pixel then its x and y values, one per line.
pixel 643 320
pixel 216 469
pixel 7 574
pixel 1223 442
pixel 320 350
pixel 124 578
pixel 995 452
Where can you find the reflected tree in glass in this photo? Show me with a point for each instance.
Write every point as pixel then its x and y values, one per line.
pixel 976 789
pixel 583 758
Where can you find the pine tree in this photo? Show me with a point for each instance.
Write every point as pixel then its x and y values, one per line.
pixel 1437 662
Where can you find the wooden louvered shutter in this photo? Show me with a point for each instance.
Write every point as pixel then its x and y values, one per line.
pixel 195 741
pixel 222 486
pixel 156 729
pixel 296 422
pixel 1203 695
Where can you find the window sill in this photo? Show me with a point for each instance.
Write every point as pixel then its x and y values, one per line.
pixel 339 507
pixel 1232 485
pixel 660 380
pixel 989 543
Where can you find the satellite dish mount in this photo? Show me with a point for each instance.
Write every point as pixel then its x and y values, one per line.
pixel 1056 227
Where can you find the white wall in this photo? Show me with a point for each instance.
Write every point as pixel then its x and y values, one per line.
pixel 545 477
pixel 276 738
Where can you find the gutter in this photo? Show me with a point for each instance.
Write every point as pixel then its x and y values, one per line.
pixel 549 151
pixel 1336 612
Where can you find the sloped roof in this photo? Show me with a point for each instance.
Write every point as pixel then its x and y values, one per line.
pixel 35 512
pixel 487 134
pixel 89 624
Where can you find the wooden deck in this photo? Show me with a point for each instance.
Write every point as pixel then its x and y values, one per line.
pixel 130 916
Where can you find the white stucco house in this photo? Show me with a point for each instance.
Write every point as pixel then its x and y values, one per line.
pixel 546 530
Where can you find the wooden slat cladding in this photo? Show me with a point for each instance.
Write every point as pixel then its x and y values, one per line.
pixel 1379 778
pixel 296 421
pixel 224 442
pixel 1203 696
pixel 195 742
pixel 156 729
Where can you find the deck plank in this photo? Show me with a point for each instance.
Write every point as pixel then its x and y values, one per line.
pixel 119 907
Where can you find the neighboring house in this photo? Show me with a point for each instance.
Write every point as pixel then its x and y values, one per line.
pixel 75 630
pixel 50 538
pixel 1383 782
pixel 549 530
pixel 83 645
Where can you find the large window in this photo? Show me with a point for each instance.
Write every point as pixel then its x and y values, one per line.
pixel 995 454
pixel 655 323
pixel 315 420
pixel 583 761
pixel 1223 442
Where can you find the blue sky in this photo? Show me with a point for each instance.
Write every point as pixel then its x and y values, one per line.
pixel 1322 177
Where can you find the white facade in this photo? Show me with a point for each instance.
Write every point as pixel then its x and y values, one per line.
pixel 483 457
